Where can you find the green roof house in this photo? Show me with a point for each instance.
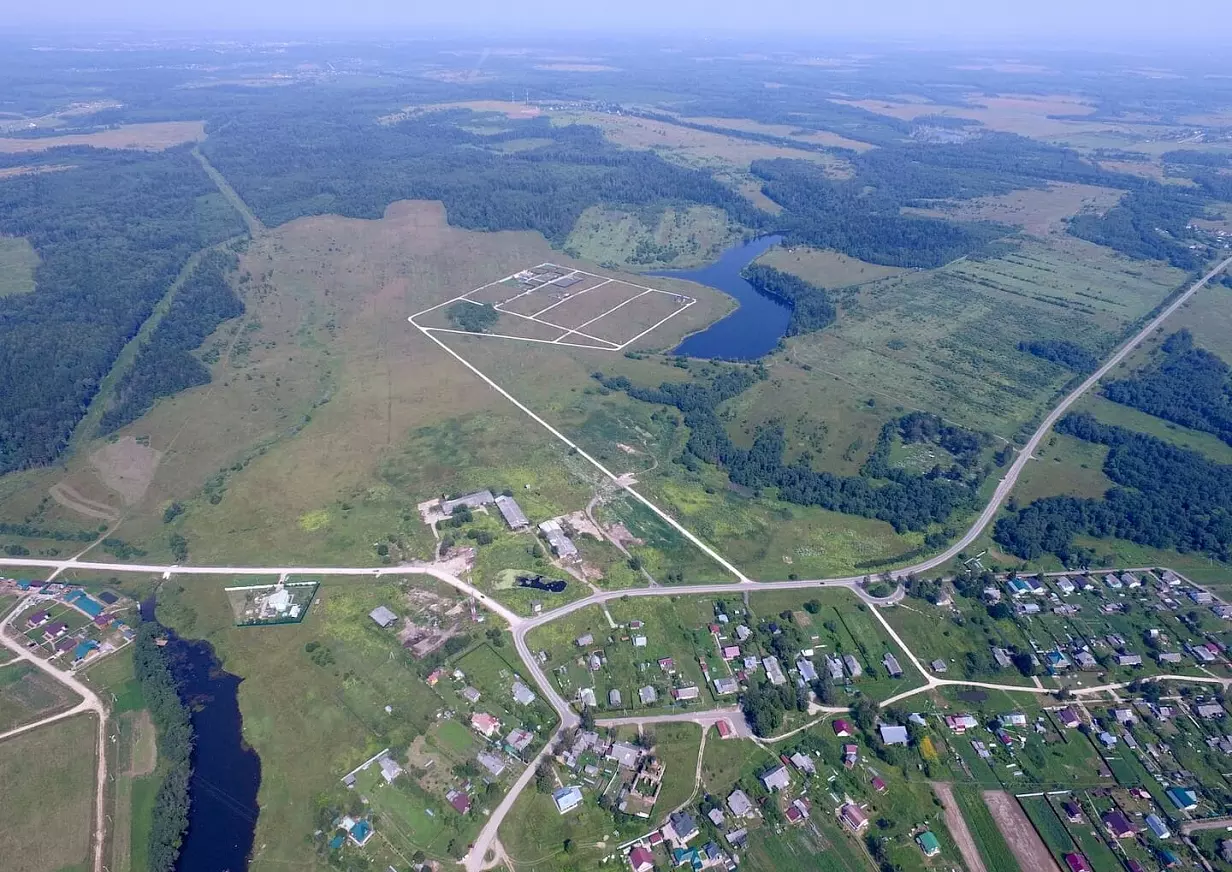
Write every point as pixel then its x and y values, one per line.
pixel 928 844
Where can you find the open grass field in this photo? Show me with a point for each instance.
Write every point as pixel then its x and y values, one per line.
pixel 953 633
pixel 825 268
pixel 324 373
pixel 27 694
pixel 17 262
pixel 152 136
pixel 47 782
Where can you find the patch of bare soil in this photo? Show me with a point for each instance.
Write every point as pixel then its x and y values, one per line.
pixel 1022 838
pixel 154 136
pixel 145 746
pixel 621 535
pixel 437 620
pixel 581 525
pixel 957 826
pixel 127 467
pixel 75 502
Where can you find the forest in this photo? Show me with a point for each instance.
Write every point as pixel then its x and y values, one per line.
pixel 811 308
pixel 1148 224
pixel 165 364
pixel 1068 354
pixel 1190 386
pixel 355 166
pixel 175 744
pixel 1166 497
pixel 111 236
pixel 883 492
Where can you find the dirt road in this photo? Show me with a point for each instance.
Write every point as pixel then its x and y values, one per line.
pixel 1028 848
pixel 957 826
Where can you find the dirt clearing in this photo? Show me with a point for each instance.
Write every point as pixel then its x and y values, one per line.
pixel 127 467
pixel 145 746
pixel 957 826
pixel 155 136
pixel 1022 838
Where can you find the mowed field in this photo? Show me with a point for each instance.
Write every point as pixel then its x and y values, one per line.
pixel 47 790
pixel 151 136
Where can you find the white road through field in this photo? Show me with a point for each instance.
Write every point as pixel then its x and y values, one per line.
pixel 485 851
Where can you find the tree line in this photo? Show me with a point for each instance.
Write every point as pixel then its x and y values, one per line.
pixel 1166 497
pixel 1190 386
pixel 811 307
pixel 165 364
pixel 175 744
pixel 884 492
pixel 1068 354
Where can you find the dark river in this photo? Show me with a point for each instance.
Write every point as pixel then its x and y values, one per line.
pixel 226 772
pixel 755 327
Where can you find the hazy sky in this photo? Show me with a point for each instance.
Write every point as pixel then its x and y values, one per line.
pixel 1063 21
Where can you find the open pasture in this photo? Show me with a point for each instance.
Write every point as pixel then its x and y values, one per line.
pixel 47 778
pixel 152 136
pixel 947 340
pixel 27 694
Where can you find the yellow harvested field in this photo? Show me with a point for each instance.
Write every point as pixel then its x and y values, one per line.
pixel 1025 115
pixel 816 137
pixel 155 136
pixel 695 148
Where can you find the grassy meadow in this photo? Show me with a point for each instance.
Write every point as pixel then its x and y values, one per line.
pixel 48 787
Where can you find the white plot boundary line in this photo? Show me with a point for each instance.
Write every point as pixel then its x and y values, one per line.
pixel 605 344
pixel 581 452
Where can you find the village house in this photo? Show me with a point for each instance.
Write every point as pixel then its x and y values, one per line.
pixel 928 844
pixel 892 734
pixel 959 724
pixel 641 860
pixel 522 694
pixel 777 778
pixel 383 616
pixel 739 804
pixel 803 762
pixel 1209 710
pixel 939 666
pixel 1118 825
pixel 835 667
pixel 567 799
pixel 485 724
pixel 684 694
pixel 774 672
pixel 725 685
pixel 842 728
pixel 853 818
pixel 891 664
pixel 647 695
pixel 851 756
pixel 511 512
pixel 854 669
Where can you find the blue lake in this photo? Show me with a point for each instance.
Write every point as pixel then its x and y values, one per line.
pixel 755 327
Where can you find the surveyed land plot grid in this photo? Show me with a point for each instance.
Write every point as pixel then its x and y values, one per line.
pixel 558 305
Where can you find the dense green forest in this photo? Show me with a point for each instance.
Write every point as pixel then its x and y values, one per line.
pixel 353 165
pixel 811 308
pixel 882 491
pixel 1166 497
pixel 1146 224
pixel 165 365
pixel 175 743
pixel 111 236
pixel 1189 386
pixel 1068 354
